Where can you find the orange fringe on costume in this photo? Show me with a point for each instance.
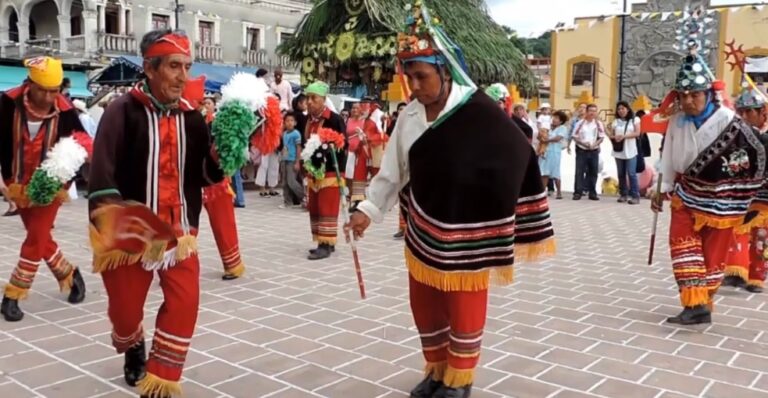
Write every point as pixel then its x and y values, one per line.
pixel 18 194
pixel 154 386
pixel 268 139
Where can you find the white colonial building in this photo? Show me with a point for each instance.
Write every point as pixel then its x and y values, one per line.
pixel 234 32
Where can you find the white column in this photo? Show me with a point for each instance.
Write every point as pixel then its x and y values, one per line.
pixel 121 21
pixel 129 22
pixel 23 37
pixel 65 31
pixel 90 31
pixel 102 19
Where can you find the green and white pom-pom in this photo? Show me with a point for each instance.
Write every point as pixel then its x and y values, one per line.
pixel 60 166
pixel 242 96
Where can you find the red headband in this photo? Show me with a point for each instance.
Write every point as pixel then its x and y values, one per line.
pixel 168 45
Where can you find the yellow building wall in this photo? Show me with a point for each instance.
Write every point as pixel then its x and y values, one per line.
pixel 749 28
pixel 599 43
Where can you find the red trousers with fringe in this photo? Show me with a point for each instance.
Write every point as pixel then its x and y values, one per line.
pixel 127 287
pixel 698 257
pixel 38 246
pixel 323 206
pixel 221 215
pixel 451 327
pixel 745 257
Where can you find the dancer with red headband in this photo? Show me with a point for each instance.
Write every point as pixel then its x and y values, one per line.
pixel 152 159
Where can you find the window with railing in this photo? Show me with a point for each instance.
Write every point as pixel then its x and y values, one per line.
pixel 252 39
pixel 206 33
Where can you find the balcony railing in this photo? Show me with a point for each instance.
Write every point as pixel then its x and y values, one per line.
pixel 76 43
pixel 120 44
pixel 48 45
pixel 10 50
pixel 285 62
pixel 209 53
pixel 256 57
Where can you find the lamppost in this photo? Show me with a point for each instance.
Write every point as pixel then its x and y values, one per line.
pixel 622 51
pixel 177 8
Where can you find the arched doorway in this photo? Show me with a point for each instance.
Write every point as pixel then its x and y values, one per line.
pixel 76 18
pixel 11 19
pixel 43 20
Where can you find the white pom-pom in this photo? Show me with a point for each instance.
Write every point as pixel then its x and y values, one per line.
pixel 247 88
pixel 64 160
pixel 313 143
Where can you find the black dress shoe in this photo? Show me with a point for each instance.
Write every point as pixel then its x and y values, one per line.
pixel 754 289
pixel 77 292
pixel 692 316
pixel 399 235
pixel 450 392
pixel 427 388
pixel 576 197
pixel 311 251
pixel 323 251
pixel 135 367
pixel 228 277
pixel 11 311
pixel 594 197
pixel 733 281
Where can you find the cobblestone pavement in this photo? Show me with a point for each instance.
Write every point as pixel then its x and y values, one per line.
pixel 588 322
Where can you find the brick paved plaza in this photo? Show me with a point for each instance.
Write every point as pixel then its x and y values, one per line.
pixel 586 323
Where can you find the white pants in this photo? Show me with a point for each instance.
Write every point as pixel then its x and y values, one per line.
pixel 269 170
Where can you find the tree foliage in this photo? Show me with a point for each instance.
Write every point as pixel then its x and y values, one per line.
pixel 539 47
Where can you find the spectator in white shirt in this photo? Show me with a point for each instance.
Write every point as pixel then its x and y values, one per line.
pixel 282 88
pixel 588 135
pixel 623 133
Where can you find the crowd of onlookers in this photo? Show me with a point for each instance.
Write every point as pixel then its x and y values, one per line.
pixel 584 132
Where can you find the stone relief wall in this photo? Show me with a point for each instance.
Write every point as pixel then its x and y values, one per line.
pixel 651 62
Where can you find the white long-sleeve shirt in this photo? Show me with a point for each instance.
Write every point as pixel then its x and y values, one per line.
pixel 394 174
pixel 683 143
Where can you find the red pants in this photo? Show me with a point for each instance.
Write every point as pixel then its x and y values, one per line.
pixel 745 257
pixel 451 326
pixel 698 257
pixel 221 214
pixel 127 287
pixel 38 245
pixel 323 207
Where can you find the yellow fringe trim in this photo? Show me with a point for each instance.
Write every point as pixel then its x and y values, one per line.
pixel 155 387
pixel 15 293
pixel 458 378
pixel 18 194
pixel 755 282
pixel 460 281
pixel 108 260
pixel 701 220
pixel 693 296
pixel 760 220
pixel 735 270
pixel 327 182
pixel 186 247
pixel 65 284
pixel 237 271
pixel 436 370
pixel 327 241
pixel 531 252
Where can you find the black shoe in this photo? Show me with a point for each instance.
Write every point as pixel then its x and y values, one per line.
pixel 576 196
pixel 450 392
pixel 427 388
pixel 135 367
pixel 594 197
pixel 622 199
pixel 228 277
pixel 399 235
pixel 311 251
pixel 11 311
pixel 692 316
pixel 733 281
pixel 77 292
pixel 754 289
pixel 323 251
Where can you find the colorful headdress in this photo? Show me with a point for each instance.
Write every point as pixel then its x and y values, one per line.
pixel 424 40
pixel 694 73
pixel 45 71
pixel 243 100
pixel 750 98
pixel 172 43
